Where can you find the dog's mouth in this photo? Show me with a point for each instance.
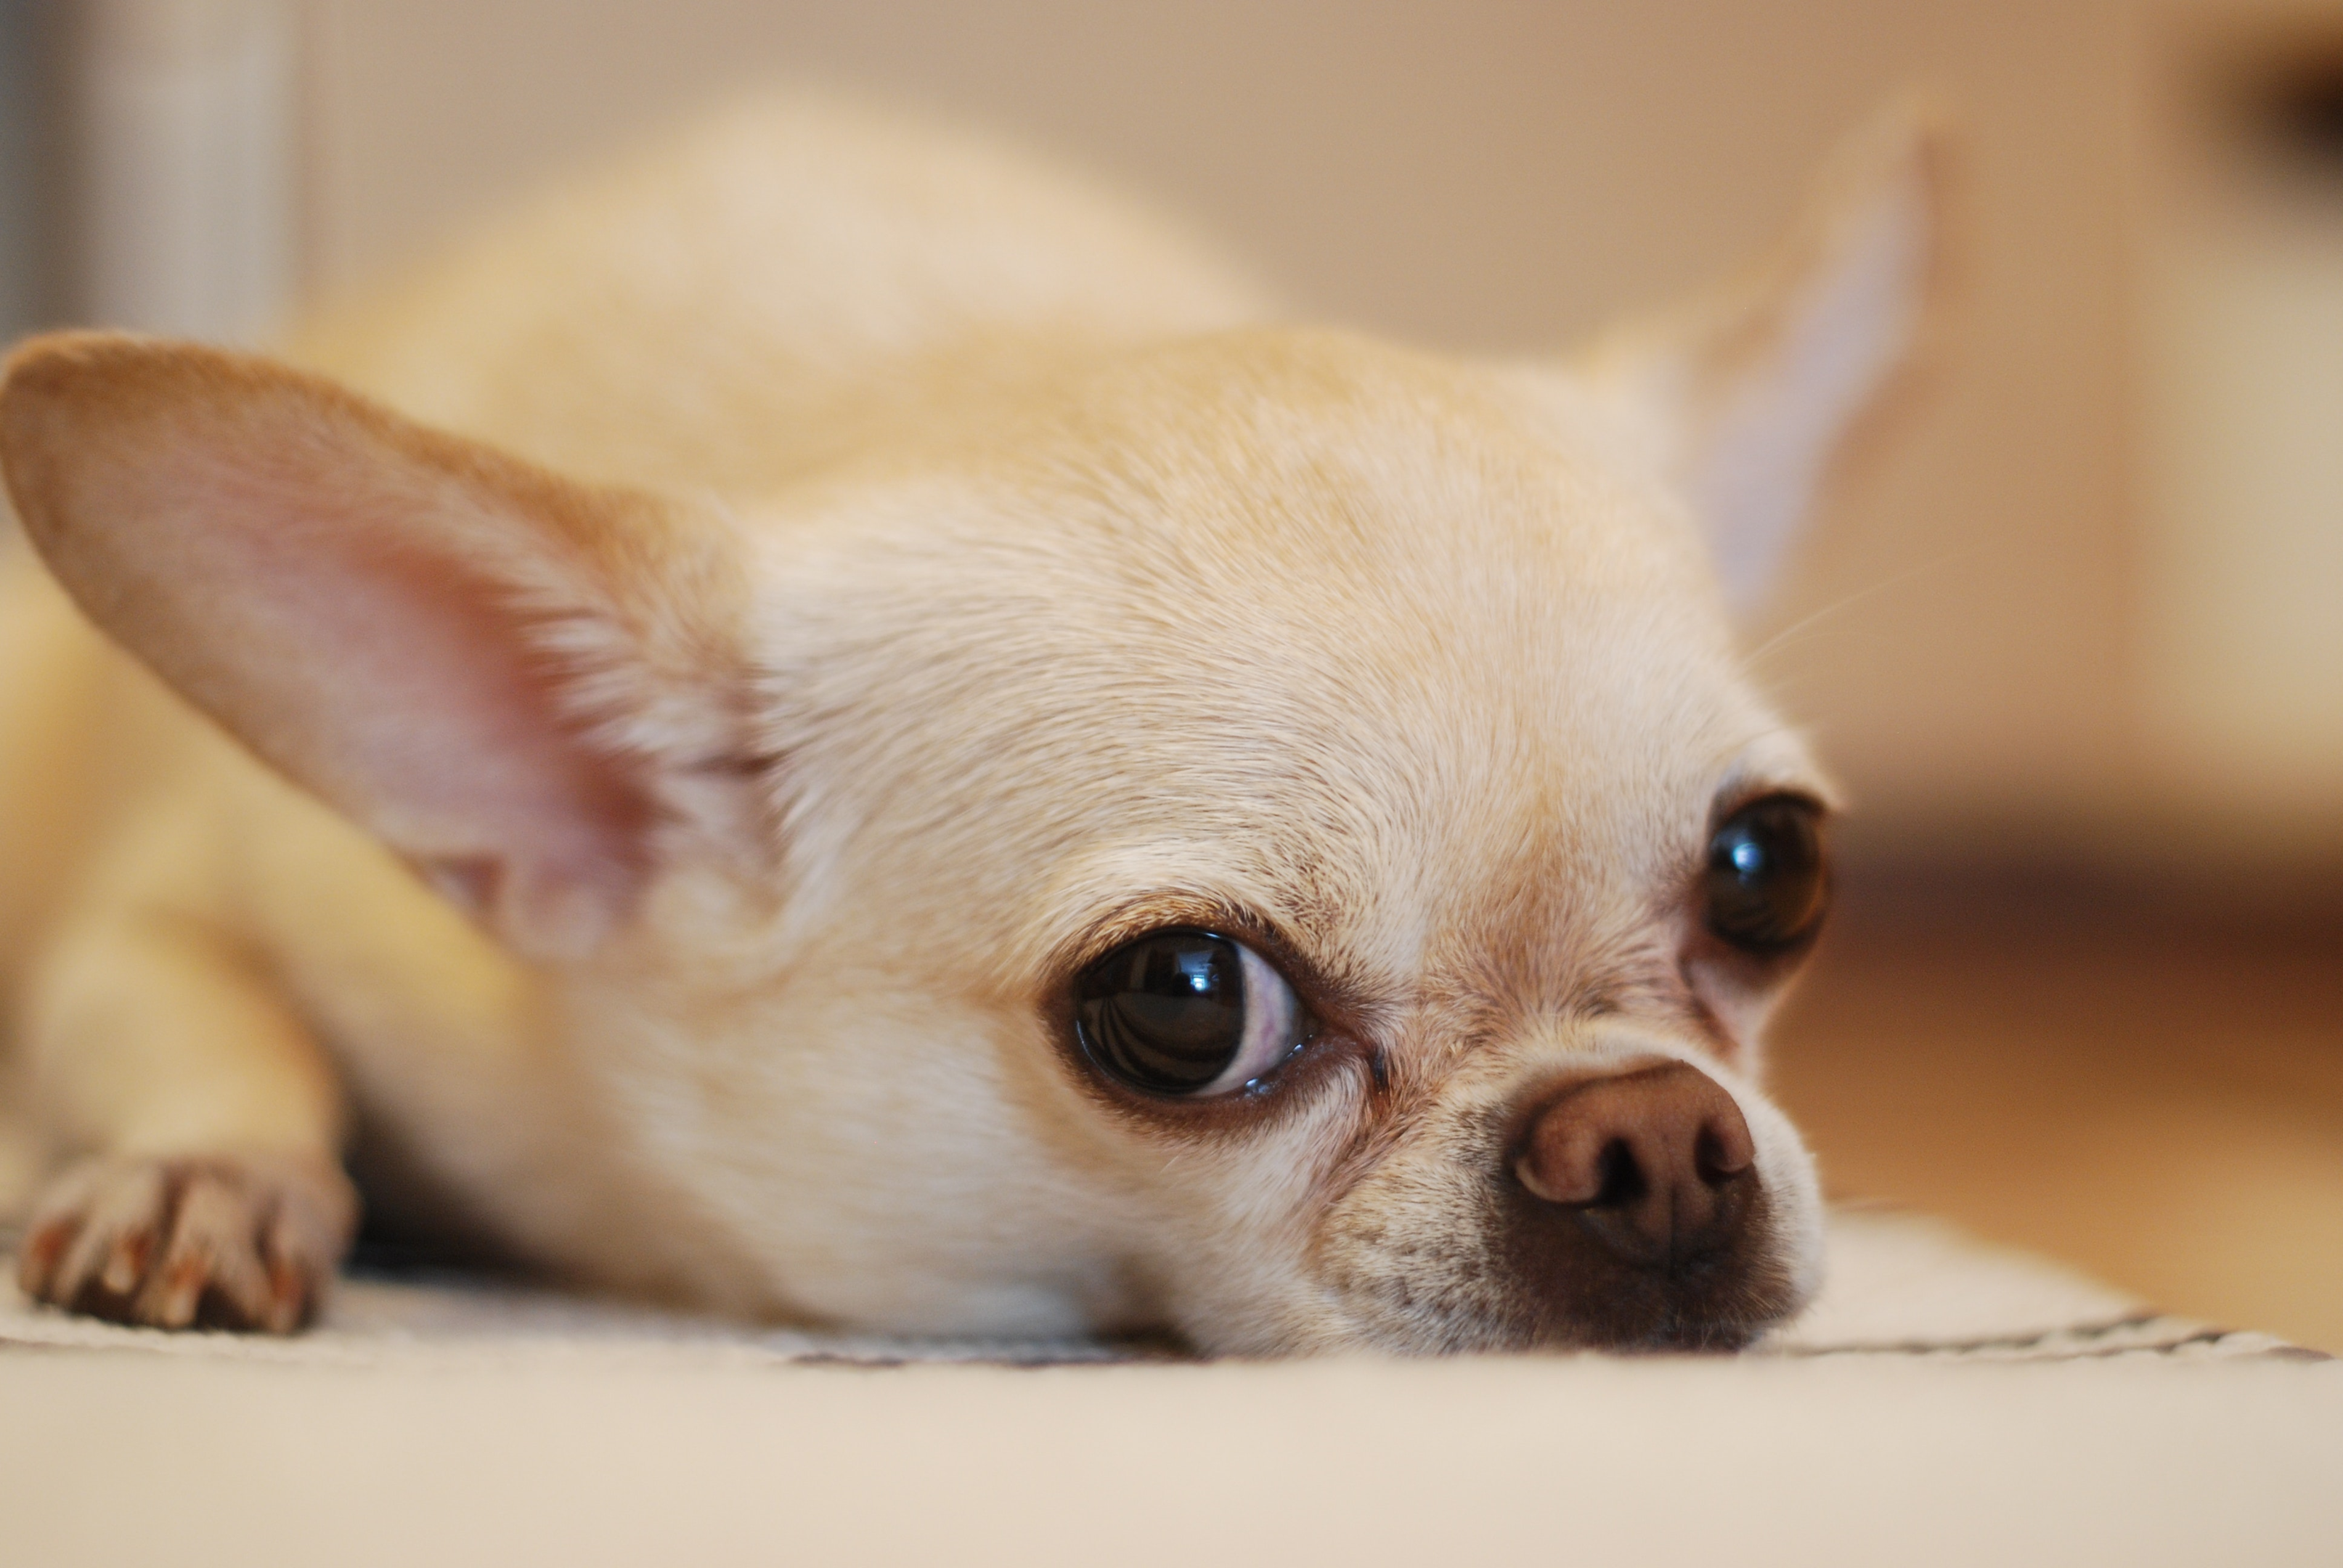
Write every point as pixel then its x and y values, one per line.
pixel 1621 1210
pixel 1553 1291
pixel 1537 1288
pixel 1575 1288
pixel 1632 1215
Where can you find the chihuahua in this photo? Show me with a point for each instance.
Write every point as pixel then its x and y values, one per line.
pixel 838 727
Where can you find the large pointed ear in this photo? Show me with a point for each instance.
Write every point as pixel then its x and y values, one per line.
pixel 496 672
pixel 1753 389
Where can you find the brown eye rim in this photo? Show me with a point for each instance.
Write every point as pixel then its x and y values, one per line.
pixel 1338 1041
pixel 1181 1012
pixel 1785 826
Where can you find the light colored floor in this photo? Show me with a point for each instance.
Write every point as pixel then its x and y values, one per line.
pixel 2158 1103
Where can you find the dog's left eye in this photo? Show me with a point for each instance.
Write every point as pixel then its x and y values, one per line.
pixel 1187 1013
pixel 1767 883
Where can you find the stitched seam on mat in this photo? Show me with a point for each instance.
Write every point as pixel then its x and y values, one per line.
pixel 2074 1343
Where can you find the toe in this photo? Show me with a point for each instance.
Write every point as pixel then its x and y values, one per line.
pixel 57 1222
pixel 108 1256
pixel 215 1251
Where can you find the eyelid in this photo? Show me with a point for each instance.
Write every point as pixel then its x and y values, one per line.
pixel 1152 912
pixel 1328 997
pixel 1736 799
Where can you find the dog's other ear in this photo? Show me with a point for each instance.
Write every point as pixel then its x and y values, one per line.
pixel 494 670
pixel 1756 386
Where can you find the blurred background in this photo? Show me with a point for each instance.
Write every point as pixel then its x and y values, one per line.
pixel 2072 634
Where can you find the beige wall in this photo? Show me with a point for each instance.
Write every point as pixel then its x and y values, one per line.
pixel 1491 174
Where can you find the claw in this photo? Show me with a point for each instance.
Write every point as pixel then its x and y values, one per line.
pixel 126 1264
pixel 183 1292
pixel 37 1264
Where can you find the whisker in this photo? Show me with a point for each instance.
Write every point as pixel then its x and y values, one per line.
pixel 1806 622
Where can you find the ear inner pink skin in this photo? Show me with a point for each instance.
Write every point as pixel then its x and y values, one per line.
pixel 279 554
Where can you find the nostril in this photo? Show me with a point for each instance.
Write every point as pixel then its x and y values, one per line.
pixel 1722 1150
pixel 1621 1179
pixel 1655 1161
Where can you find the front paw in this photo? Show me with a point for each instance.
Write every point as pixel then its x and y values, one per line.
pixel 217 1240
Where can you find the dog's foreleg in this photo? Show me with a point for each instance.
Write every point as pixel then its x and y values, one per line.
pixel 207 1186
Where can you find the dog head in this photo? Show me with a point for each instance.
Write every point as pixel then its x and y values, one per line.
pixel 1264 835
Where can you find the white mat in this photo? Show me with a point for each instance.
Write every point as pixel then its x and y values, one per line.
pixel 461 1422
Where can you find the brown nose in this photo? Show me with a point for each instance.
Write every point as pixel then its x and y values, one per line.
pixel 1657 1164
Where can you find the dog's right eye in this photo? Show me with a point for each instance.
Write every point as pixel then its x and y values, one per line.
pixel 1186 1013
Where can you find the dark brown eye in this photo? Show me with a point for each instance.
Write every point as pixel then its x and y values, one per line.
pixel 1767 883
pixel 1184 1013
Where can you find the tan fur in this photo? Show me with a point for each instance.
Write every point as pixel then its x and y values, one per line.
pixel 938 573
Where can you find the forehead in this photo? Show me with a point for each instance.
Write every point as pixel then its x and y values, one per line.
pixel 1349 640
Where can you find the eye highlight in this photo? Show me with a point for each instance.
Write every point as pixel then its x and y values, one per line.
pixel 1187 1014
pixel 1767 883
